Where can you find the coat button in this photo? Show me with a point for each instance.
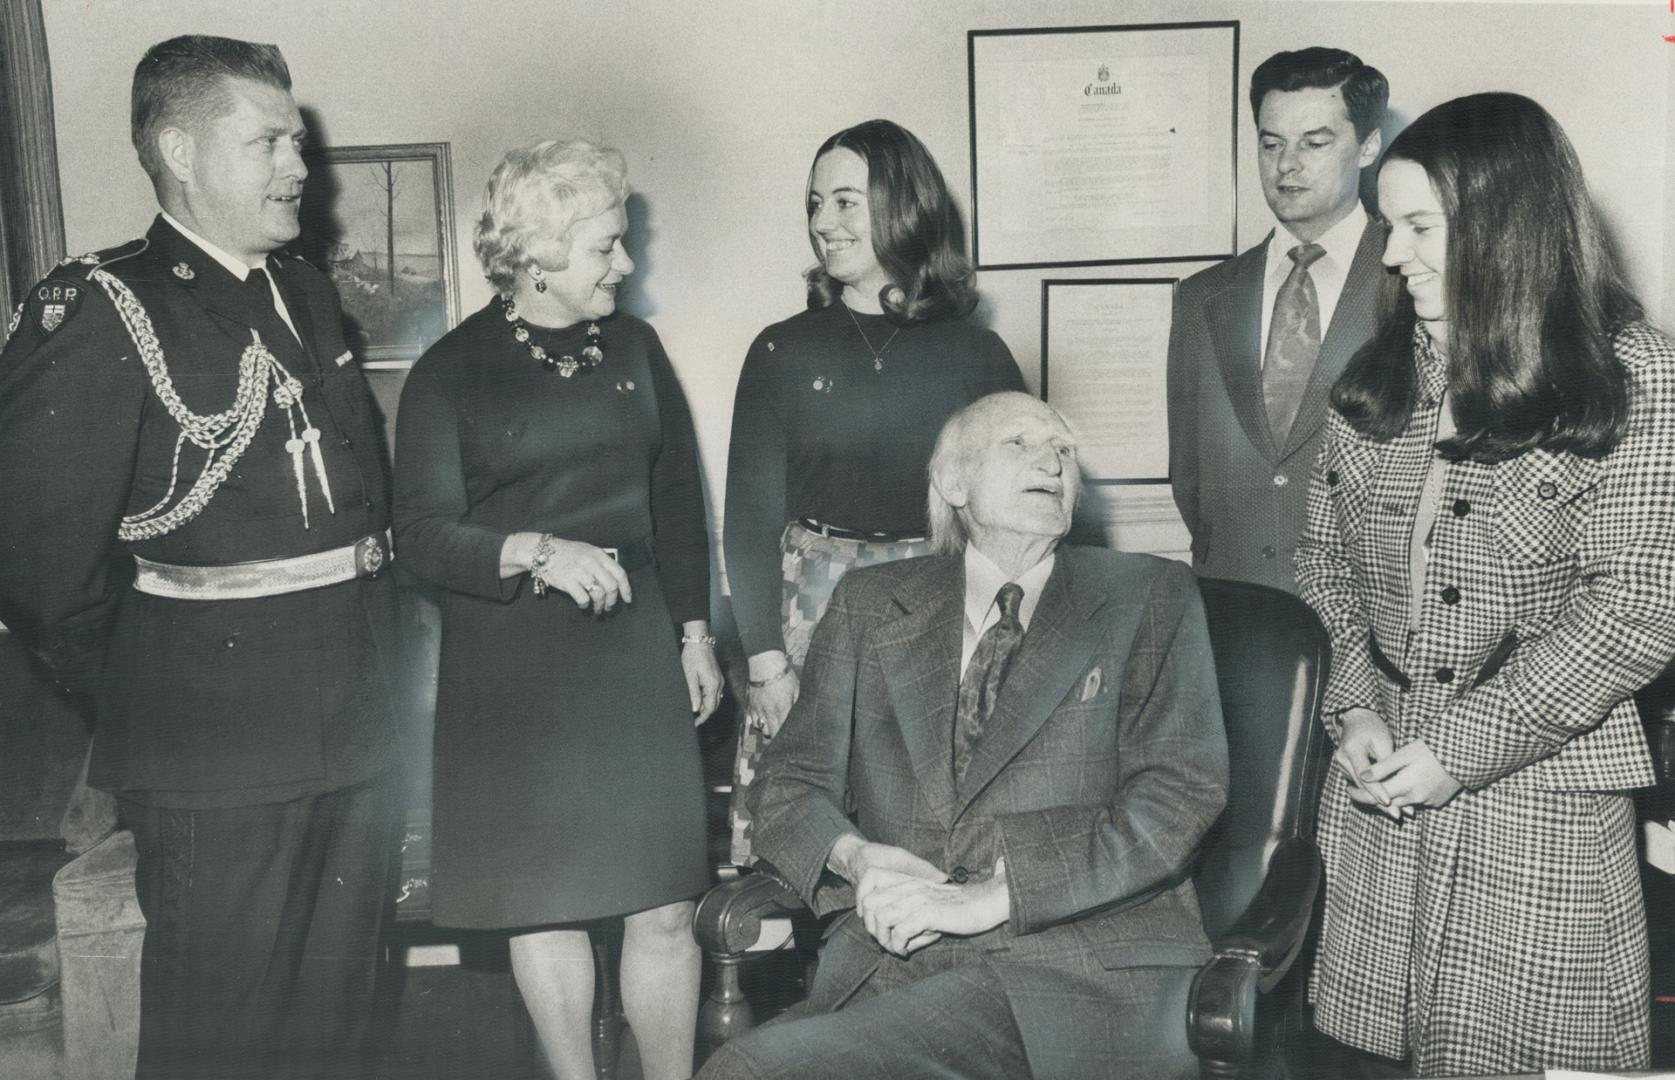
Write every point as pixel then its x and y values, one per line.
pixel 960 875
pixel 1547 489
pixel 1445 675
pixel 1268 551
pixel 1450 596
pixel 1461 508
pixel 1332 477
pixel 230 642
pixel 347 443
pixel 1280 479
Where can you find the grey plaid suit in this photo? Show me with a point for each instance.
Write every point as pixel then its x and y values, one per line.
pixel 1240 489
pixel 1505 931
pixel 1102 766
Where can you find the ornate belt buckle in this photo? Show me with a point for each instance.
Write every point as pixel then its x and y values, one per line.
pixel 369 557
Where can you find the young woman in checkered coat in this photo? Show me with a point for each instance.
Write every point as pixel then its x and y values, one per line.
pixel 1491 543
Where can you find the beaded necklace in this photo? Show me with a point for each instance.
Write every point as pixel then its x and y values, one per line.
pixel 593 347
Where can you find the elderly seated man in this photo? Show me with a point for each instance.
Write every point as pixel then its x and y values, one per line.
pixel 1003 759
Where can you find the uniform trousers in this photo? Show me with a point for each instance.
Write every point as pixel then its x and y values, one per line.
pixel 262 934
pixel 951 1018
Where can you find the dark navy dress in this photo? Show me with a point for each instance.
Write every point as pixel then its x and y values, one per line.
pixel 567 781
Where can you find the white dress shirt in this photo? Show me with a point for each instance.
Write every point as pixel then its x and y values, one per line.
pixel 983 580
pixel 238 269
pixel 1329 271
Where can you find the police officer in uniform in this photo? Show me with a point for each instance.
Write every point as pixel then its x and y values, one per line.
pixel 195 517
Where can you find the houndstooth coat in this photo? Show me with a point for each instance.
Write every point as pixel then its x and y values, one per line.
pixel 1504 931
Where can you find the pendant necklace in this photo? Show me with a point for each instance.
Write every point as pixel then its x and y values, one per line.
pixel 877 354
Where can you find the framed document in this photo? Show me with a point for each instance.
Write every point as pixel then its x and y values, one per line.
pixel 1102 145
pixel 1104 365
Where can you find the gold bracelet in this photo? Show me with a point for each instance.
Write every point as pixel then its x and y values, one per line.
pixel 698 639
pixel 538 562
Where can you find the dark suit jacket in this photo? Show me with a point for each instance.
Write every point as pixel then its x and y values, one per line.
pixel 1101 769
pixel 213 702
pixel 1241 491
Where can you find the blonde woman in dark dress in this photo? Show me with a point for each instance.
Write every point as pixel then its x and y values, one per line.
pixel 547 481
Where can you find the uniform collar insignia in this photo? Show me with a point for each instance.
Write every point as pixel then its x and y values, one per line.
pixel 184 272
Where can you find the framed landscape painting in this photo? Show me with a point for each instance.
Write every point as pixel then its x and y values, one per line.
pixel 379 220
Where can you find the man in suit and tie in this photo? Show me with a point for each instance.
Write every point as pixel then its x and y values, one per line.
pixel 1003 760
pixel 195 516
pixel 1258 340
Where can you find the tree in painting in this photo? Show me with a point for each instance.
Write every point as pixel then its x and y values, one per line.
pixel 371 223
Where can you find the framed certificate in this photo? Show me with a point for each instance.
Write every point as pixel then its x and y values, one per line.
pixel 1103 145
pixel 1104 365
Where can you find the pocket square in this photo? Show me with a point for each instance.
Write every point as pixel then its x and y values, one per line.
pixel 1091 684
pixel 345 358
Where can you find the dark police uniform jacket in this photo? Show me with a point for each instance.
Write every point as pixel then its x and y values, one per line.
pixel 198 703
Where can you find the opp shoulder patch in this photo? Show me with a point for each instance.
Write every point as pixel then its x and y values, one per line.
pixel 53 302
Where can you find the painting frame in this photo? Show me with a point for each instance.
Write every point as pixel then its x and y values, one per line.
pixel 1152 367
pixel 1042 146
pixel 396 304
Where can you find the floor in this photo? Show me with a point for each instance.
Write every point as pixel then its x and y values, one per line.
pixel 466 1022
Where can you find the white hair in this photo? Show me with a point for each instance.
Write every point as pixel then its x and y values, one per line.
pixel 956 445
pixel 536 196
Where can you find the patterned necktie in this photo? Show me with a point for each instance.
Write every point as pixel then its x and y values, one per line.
pixel 1293 342
pixel 980 685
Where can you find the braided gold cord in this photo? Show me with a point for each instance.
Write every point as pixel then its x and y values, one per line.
pixel 230 431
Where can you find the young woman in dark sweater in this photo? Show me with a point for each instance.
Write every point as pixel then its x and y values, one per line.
pixel 838 406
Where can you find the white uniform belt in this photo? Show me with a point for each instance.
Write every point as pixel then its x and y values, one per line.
pixel 269 577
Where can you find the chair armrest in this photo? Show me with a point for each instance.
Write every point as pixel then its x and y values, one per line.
pixel 729 917
pixel 1271 929
pixel 1252 957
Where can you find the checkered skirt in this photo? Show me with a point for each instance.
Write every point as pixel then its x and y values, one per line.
pixel 1505 931
pixel 810 567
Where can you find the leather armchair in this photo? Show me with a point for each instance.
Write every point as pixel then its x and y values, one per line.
pixel 1258 873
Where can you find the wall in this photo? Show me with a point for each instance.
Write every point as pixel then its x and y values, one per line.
pixel 719 105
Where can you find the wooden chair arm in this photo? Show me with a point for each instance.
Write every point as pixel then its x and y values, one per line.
pixel 729 917
pixel 727 923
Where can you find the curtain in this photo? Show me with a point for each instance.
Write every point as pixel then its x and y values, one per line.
pixel 31 211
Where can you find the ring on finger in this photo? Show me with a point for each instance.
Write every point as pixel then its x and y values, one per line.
pixel 591 588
